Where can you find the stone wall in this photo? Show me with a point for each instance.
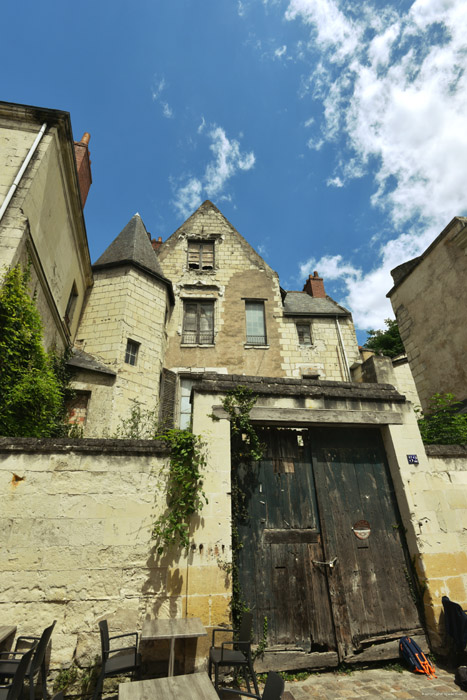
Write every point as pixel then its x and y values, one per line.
pixel 76 520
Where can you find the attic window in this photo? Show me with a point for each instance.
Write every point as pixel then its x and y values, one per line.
pixel 131 353
pixel 201 255
pixel 304 333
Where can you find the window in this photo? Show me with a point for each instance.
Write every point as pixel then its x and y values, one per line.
pixel 198 323
pixel 255 323
pixel 71 305
pixel 304 333
pixel 201 255
pixel 185 403
pixel 131 353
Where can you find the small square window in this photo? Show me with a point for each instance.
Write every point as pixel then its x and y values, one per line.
pixel 201 255
pixel 304 333
pixel 131 353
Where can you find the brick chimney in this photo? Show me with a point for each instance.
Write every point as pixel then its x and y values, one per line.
pixel 156 244
pixel 83 166
pixel 314 286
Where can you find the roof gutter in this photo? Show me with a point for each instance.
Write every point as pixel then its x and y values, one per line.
pixel 21 171
pixel 342 347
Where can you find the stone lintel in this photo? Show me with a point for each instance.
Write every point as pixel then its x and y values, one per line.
pixel 303 416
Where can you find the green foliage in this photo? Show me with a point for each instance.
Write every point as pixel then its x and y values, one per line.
pixel 185 495
pixel 32 382
pixel 65 677
pixel 246 448
pixel 263 642
pixel 140 425
pixel 441 425
pixel 387 342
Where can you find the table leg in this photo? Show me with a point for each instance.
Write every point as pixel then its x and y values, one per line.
pixel 172 656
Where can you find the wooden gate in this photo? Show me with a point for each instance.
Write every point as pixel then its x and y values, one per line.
pixel 323 555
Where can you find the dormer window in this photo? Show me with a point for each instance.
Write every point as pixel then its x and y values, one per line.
pixel 200 255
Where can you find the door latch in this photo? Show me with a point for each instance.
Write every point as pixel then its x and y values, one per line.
pixel 331 562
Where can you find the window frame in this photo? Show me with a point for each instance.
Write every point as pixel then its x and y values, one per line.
pixel 209 253
pixel 197 331
pixel 255 340
pixel 307 326
pixel 132 352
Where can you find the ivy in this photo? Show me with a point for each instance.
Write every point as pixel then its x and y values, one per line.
pixel 33 383
pixel 185 495
pixel 246 449
pixel 442 424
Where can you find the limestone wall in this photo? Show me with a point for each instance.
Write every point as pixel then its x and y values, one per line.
pixel 123 304
pixel 76 519
pixel 432 497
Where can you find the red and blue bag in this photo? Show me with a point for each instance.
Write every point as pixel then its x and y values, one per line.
pixel 414 657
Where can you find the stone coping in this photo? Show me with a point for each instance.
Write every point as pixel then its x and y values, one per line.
pixel 446 450
pixel 282 386
pixel 84 445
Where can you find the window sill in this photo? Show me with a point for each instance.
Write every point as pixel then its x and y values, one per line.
pixel 247 346
pixel 197 345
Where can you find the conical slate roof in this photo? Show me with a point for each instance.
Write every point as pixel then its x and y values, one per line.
pixel 132 245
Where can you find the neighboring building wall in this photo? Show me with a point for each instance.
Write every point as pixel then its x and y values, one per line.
pixel 76 547
pixel 324 357
pixel 124 304
pixel 44 220
pixel 429 297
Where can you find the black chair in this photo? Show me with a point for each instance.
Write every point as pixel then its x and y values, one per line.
pixel 238 656
pixel 118 661
pixel 9 660
pixel 273 689
pixel 13 690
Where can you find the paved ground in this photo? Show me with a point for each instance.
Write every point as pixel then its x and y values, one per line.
pixel 376 683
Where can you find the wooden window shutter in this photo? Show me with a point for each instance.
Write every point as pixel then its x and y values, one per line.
pixel 167 399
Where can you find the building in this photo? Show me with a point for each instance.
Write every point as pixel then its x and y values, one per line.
pixel 429 297
pixel 344 499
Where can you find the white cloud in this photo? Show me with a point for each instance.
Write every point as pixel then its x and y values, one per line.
pixel 278 53
pixel 157 90
pixel 228 160
pixel 393 87
pixel 334 182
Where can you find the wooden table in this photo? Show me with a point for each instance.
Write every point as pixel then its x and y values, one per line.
pixel 174 628
pixel 5 632
pixel 194 686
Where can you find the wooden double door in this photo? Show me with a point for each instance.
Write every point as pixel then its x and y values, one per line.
pixel 323 555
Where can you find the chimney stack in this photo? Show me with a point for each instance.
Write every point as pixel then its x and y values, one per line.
pixel 314 286
pixel 83 166
pixel 156 244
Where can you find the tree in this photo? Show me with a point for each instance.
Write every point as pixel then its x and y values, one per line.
pixel 31 380
pixel 387 342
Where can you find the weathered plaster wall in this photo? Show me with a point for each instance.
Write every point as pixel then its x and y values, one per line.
pixel 124 304
pixel 76 520
pixel 239 273
pixel 432 497
pixel 428 304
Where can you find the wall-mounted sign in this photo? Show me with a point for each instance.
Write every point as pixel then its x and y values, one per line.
pixel 362 529
pixel 412 459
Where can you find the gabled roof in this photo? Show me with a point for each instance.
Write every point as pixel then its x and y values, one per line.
pixel 302 304
pixel 133 247
pixel 83 360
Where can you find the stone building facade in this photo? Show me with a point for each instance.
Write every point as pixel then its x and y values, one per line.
pixel 429 297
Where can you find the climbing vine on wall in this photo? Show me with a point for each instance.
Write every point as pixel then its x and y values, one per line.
pixel 185 495
pixel 246 449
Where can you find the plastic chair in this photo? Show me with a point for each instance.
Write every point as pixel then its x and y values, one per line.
pixel 9 665
pixel 273 689
pixel 239 656
pixel 13 690
pixel 119 661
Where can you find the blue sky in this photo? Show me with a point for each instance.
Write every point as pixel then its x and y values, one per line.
pixel 333 135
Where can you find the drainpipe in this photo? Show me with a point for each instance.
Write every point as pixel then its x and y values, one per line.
pixel 20 174
pixel 344 354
